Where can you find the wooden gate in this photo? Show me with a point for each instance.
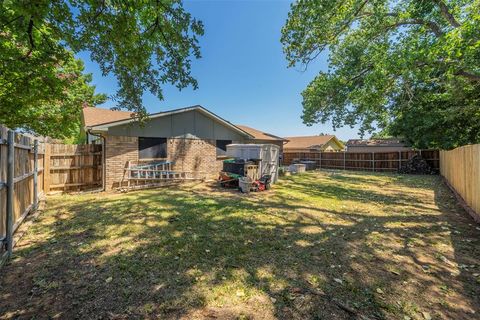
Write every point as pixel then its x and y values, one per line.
pixel 73 167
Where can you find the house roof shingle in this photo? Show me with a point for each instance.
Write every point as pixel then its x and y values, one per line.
pixel 306 142
pixel 95 116
pixel 259 135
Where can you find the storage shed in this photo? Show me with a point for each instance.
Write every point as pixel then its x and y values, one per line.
pixel 267 154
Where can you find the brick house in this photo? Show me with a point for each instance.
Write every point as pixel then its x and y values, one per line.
pixel 262 137
pixel 193 138
pixel 324 143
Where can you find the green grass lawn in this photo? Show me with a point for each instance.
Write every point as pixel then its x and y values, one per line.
pixel 383 246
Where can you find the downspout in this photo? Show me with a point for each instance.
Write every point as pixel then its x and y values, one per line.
pixel 104 167
pixel 284 142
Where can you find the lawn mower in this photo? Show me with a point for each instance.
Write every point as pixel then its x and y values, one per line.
pixel 262 184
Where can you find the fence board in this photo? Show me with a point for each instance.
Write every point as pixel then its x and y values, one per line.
pixel 23 178
pixel 370 161
pixel 3 179
pixel 59 167
pixel 74 167
pixel 461 168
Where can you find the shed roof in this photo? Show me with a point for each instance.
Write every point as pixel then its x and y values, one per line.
pixel 259 135
pixel 308 142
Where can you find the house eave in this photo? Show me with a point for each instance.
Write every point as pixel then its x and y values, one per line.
pixel 105 126
pixel 93 129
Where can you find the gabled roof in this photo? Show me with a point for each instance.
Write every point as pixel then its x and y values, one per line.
pixel 259 135
pixel 390 142
pixel 103 119
pixel 310 142
pixel 95 116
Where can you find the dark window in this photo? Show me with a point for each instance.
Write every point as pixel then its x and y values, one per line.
pixel 222 147
pixel 152 148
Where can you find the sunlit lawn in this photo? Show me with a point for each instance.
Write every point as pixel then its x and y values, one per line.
pixel 384 246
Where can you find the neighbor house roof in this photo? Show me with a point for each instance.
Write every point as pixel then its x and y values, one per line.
pixel 259 135
pixel 391 142
pixel 102 120
pixel 95 116
pixel 310 142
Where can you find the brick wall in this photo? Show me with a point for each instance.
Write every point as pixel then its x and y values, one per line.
pixel 118 151
pixel 194 155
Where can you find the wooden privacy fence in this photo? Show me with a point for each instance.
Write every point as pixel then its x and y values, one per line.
pixel 371 161
pixel 72 167
pixel 30 167
pixel 21 183
pixel 461 168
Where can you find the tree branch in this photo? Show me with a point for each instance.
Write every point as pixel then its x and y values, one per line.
pixel 447 14
pixel 156 25
pixel 316 51
pixel 47 40
pixel 432 26
pixel 11 21
pixel 468 75
pixel 30 37
pixel 98 13
pixel 361 73
pixel 352 18
pixel 153 26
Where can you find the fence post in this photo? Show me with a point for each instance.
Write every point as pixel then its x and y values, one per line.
pixel 373 161
pixel 35 174
pixel 10 189
pixel 344 163
pixel 399 160
pixel 320 159
pixel 46 168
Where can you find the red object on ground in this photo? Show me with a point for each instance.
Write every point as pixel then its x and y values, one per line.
pixel 228 180
pixel 258 185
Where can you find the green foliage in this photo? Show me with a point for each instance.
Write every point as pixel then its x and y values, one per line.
pixel 45 97
pixel 439 119
pixel 390 64
pixel 143 43
pixel 384 134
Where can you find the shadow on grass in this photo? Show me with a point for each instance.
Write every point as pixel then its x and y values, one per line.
pixel 388 250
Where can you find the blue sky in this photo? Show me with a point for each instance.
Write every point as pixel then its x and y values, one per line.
pixel 243 75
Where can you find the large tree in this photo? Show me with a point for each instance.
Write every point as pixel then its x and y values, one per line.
pixel 45 97
pixel 410 67
pixel 143 43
